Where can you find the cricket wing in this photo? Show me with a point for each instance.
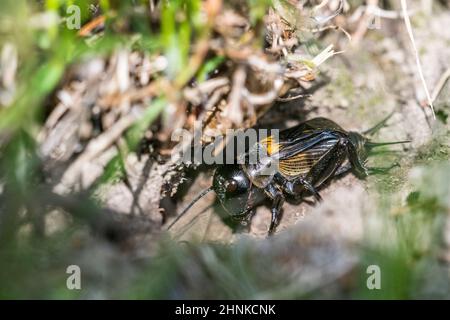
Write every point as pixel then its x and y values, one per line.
pixel 319 139
pixel 310 126
pixel 300 163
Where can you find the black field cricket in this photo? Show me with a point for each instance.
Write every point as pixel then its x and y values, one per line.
pixel 304 157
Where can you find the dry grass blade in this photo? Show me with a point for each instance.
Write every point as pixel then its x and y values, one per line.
pixel 440 85
pixel 416 54
pixel 94 149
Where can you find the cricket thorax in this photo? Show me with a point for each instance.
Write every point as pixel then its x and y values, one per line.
pixel 259 165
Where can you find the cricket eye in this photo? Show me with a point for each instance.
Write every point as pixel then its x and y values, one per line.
pixel 231 186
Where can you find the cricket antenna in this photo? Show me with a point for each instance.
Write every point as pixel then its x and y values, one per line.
pixel 201 195
pixel 371 145
pixel 378 126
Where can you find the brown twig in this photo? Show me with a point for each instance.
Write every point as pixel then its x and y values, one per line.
pixel 93 149
pixel 91 25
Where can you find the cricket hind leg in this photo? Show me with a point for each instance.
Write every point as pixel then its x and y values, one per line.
pixel 277 203
pixel 361 170
pixel 343 169
pixel 291 187
pixel 326 168
pixel 309 187
pixel 357 163
pixel 382 170
pixel 370 170
pixel 320 172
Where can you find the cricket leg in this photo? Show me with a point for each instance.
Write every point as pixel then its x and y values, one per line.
pixel 382 170
pixel 277 202
pixel 343 169
pixel 356 162
pixel 325 168
pixel 291 188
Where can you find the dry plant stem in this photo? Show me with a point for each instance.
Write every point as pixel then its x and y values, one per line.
pixel 416 54
pixel 211 104
pixel 295 97
pixel 151 5
pixel 265 98
pixel 131 95
pixel 440 85
pixel 334 27
pixel 195 95
pixel 94 149
pixel 8 66
pixel 321 5
pixel 364 22
pixel 264 66
pixel 221 145
pixel 210 85
pixel 86 29
pixel 323 20
pixel 53 119
pixel 233 111
pixel 326 54
pixel 377 11
pixel 201 49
